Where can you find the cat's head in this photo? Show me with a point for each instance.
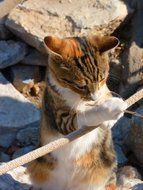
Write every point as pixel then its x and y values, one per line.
pixel 80 63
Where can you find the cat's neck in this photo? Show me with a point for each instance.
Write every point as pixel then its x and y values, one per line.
pixel 72 99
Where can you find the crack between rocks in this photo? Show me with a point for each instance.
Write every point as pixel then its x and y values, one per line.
pixel 73 23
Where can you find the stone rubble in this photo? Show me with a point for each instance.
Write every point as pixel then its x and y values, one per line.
pixel 22 151
pixel 35 58
pixel 16 179
pixel 132 56
pixel 134 140
pixel 28 136
pixel 23 76
pixel 4 157
pixel 11 52
pixel 23 25
pixel 5 7
pixel 34 19
pixel 16 112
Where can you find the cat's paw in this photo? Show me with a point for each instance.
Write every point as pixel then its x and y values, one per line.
pixel 113 108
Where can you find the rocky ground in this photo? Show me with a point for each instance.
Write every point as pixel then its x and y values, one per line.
pixel 23 59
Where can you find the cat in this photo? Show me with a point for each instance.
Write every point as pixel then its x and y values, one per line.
pixel 76 96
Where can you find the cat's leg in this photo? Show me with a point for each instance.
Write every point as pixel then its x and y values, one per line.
pixel 110 109
pixel 110 187
pixel 39 171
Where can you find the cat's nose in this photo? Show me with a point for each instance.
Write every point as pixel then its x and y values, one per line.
pixel 93 96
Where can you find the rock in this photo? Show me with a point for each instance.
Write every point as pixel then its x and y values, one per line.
pixel 4 32
pixel 121 130
pixel 22 151
pixel 133 70
pixel 5 8
pixel 121 158
pixel 16 112
pixel 35 58
pixel 34 19
pixel 134 141
pixel 6 138
pixel 16 179
pixel 129 178
pixel 135 4
pixel 132 57
pixel 4 157
pixel 28 136
pixel 23 76
pixel 11 52
pixel 114 75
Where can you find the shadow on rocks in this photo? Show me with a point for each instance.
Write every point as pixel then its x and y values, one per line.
pixel 7 182
pixel 138 187
pixel 16 113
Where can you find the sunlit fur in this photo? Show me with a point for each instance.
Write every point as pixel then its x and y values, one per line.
pixel 76 79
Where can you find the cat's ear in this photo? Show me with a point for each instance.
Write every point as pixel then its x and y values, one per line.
pixel 105 43
pixel 64 47
pixel 55 44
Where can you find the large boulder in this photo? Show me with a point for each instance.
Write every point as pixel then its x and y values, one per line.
pixel 34 57
pixel 16 179
pixel 134 140
pixel 11 52
pixel 34 19
pixel 132 56
pixel 5 8
pixel 16 112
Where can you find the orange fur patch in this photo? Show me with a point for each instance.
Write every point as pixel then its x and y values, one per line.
pixel 92 170
pixel 40 171
pixel 110 187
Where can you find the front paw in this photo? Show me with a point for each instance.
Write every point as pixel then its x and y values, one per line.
pixel 113 108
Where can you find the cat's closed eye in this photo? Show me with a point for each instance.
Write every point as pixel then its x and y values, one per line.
pixel 84 87
pixel 64 68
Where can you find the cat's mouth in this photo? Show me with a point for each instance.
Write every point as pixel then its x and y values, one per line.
pixel 98 98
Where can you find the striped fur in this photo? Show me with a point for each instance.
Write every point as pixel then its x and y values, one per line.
pixel 75 83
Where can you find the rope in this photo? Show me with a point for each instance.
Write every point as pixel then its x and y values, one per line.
pixel 57 143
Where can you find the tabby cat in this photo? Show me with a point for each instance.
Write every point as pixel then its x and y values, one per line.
pixel 76 96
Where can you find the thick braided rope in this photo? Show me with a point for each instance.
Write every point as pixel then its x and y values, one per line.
pixel 57 143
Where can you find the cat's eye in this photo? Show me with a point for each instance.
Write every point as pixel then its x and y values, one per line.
pixel 102 79
pixel 65 68
pixel 81 87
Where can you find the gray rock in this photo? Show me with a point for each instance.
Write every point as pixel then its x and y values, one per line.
pixel 132 56
pixel 121 158
pixel 5 7
pixel 134 141
pixel 28 136
pixel 6 139
pixel 23 76
pixel 121 129
pixel 129 178
pixel 35 58
pixel 23 72
pixel 4 157
pixel 16 179
pixel 16 112
pixel 120 132
pixel 4 32
pixel 22 151
pixel 34 19
pixel 135 4
pixel 114 75
pixel 11 52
